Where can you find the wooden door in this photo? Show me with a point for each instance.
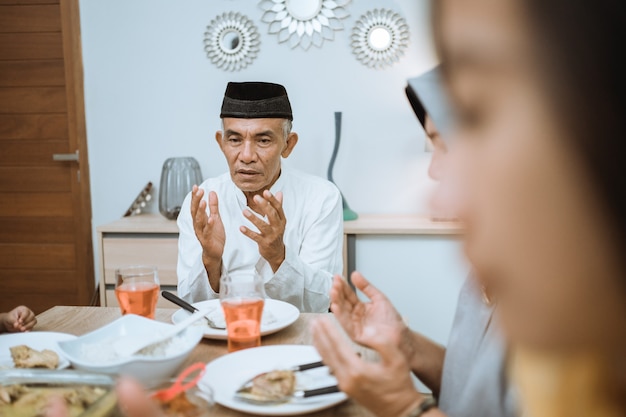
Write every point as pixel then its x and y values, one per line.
pixel 46 255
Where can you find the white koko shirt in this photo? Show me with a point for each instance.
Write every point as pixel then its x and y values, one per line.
pixel 313 241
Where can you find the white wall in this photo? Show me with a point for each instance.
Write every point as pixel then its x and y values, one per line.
pixel 151 93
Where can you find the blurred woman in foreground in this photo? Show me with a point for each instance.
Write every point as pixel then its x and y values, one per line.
pixel 538 86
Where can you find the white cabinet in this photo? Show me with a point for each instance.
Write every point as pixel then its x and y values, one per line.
pixel 147 239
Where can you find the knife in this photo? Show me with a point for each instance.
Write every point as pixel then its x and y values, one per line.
pixel 188 307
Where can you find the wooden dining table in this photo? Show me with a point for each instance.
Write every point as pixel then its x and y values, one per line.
pixel 80 320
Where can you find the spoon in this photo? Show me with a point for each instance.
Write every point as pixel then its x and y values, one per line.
pixel 167 394
pixel 131 344
pixel 188 307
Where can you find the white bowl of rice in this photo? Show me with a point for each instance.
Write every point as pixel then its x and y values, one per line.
pixel 94 351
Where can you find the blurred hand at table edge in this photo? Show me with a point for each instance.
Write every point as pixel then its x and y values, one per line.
pixel 133 401
pixel 20 319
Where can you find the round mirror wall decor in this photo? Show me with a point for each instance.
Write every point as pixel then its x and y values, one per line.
pixel 379 38
pixel 231 41
pixel 302 23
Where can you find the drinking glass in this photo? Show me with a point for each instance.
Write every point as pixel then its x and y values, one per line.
pixel 242 297
pixel 137 290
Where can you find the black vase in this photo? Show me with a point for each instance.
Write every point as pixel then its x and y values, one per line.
pixel 348 213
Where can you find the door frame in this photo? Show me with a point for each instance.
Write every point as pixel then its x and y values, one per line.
pixel 77 130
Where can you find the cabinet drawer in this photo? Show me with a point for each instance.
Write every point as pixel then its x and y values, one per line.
pixel 111 300
pixel 161 252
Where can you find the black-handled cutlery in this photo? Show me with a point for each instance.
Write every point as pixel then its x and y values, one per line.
pixel 188 307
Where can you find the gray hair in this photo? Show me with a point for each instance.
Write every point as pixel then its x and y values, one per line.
pixel 287 126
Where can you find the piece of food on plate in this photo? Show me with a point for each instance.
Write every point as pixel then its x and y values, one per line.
pixel 27 357
pixel 274 385
pixel 31 401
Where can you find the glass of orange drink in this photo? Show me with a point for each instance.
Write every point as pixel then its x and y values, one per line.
pixel 137 290
pixel 242 297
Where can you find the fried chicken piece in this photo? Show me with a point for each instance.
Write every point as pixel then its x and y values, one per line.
pixel 26 357
pixel 274 385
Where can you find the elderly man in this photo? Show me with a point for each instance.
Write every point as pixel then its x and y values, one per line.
pixel 284 224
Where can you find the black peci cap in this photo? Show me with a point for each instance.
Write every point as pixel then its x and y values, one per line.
pixel 256 100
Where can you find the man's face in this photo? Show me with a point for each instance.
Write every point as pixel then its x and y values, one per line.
pixel 253 148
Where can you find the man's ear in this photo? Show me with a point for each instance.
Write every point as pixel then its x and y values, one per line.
pixel 218 138
pixel 292 139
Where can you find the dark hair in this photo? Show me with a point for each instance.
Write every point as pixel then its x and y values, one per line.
pixel 580 45
pixel 416 105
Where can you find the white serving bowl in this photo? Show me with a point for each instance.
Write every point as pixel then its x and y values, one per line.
pixel 94 351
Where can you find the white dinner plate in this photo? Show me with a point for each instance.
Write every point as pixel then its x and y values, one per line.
pixel 35 340
pixel 276 316
pixel 226 374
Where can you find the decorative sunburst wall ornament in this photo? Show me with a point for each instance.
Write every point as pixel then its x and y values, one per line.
pixel 304 22
pixel 379 38
pixel 231 41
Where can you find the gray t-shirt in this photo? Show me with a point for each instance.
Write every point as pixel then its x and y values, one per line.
pixel 474 381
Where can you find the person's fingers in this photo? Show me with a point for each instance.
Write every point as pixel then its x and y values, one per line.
pixel 389 353
pixel 201 219
pixel 324 344
pixel 30 323
pixel 264 208
pixel 347 291
pixel 133 399
pixel 12 320
pixel 276 204
pixel 340 306
pixel 259 223
pixel 366 288
pixel 56 407
pixel 213 204
pixel 196 197
pixel 24 314
pixel 26 321
pixel 198 209
pixel 335 293
pixel 252 235
pixel 337 352
pixel 343 297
